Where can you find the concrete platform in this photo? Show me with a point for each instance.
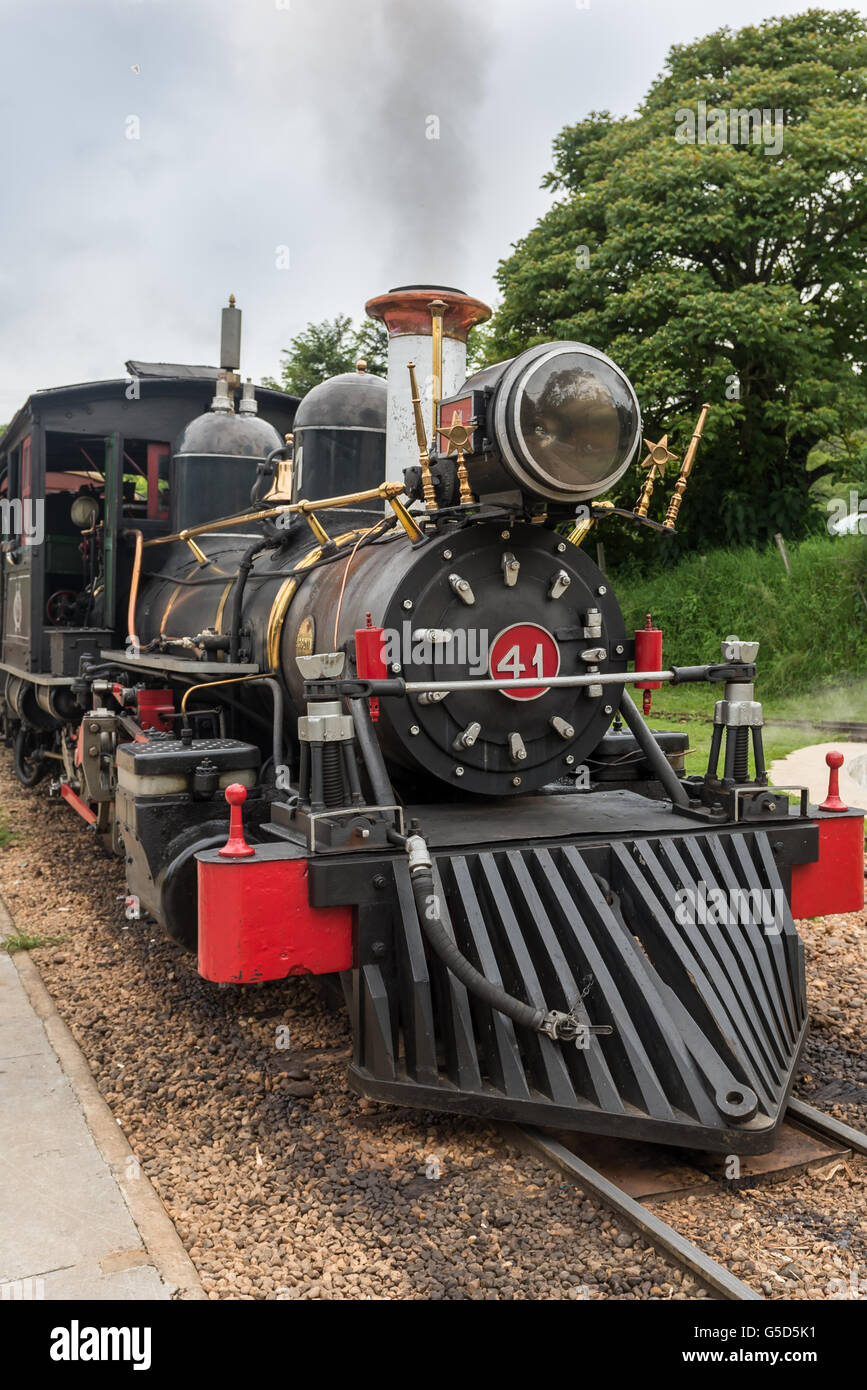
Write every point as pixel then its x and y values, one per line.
pixel 78 1218
pixel 806 767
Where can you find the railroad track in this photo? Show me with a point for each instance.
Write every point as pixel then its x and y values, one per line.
pixel 855 729
pixel 669 1242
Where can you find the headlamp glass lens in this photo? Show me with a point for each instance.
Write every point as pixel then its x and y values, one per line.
pixel 577 420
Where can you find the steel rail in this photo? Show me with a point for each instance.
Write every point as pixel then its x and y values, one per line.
pixel 658 1232
pixel 660 1235
pixel 826 1126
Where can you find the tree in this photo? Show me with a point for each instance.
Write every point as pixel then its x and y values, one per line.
pixel 325 349
pixel 719 255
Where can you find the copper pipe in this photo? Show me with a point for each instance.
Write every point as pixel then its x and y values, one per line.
pixel 385 490
pixel 227 680
pixel 132 637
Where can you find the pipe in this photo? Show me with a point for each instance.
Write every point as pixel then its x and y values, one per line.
pixel 226 680
pixel 653 753
pixel 304 508
pixel 245 564
pixel 132 637
pixel 534 682
pixel 370 751
pixel 277 735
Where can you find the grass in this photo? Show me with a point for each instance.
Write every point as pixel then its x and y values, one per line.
pixel 24 941
pixel 8 836
pixel 812 624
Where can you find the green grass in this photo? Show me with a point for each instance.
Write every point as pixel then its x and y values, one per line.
pixel 24 941
pixel 812 624
pixel 8 836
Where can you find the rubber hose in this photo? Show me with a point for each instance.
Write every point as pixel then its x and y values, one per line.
pixel 427 905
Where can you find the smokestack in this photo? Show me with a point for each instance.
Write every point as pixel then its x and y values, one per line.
pixel 411 313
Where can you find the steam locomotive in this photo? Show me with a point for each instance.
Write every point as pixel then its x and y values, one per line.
pixel 366 621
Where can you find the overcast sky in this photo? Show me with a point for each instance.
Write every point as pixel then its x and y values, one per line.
pixel 283 130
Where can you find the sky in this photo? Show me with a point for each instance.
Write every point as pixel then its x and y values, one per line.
pixel 304 155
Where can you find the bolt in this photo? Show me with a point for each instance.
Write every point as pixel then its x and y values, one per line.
pixel 407 603
pixel 516 781
pixel 602 589
pixel 396 667
pixel 619 649
pixel 379 948
pixel 561 547
pixel 414 729
pixel 459 772
pixel 447 554
pixel 772 805
pixel 569 759
pixel 93 728
pixel 379 881
pixel 92 751
pixel 504 535
pixel 609 709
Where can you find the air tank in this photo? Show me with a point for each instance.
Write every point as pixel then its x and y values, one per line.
pixel 339 436
pixel 215 460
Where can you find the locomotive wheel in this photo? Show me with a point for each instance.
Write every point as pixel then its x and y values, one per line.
pixel 30 766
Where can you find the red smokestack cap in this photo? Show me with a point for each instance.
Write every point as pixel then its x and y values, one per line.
pixel 407 310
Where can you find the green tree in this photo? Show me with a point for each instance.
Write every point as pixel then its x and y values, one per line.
pixel 323 350
pixel 729 272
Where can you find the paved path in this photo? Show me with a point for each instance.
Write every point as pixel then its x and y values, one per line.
pixel 69 1183
pixel 806 767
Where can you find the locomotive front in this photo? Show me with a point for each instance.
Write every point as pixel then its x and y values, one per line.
pixel 401 663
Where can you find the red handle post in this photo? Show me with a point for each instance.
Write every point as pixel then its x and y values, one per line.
pixel 833 801
pixel 236 846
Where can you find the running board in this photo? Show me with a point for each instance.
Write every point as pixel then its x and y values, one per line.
pixel 707 1017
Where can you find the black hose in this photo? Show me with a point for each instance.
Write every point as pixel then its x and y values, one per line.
pixel 245 564
pixel 562 1026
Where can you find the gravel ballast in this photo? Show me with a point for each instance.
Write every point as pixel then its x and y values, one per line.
pixel 284 1184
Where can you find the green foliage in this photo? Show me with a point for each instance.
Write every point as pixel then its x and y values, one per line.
pixel 812 624
pixel 719 272
pixel 325 349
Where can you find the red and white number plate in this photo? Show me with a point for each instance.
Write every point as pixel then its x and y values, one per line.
pixel 521 651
